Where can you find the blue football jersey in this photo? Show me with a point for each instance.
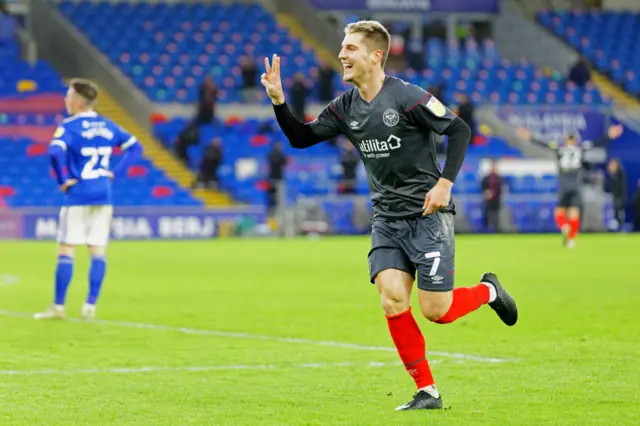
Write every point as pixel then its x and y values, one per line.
pixel 88 140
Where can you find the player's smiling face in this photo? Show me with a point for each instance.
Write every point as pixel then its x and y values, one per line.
pixel 357 60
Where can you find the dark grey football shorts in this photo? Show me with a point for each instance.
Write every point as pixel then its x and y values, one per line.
pixel 569 198
pixel 422 246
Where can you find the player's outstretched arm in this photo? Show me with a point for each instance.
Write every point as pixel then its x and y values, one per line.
pixel 299 134
pixel 613 132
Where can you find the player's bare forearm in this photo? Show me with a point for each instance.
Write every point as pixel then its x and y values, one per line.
pixel 459 136
pixel 299 134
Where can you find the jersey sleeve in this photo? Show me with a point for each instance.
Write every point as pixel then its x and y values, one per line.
pixel 61 138
pixel 328 124
pixel 426 110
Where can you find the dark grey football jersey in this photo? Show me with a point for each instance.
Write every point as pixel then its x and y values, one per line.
pixel 570 167
pixel 394 134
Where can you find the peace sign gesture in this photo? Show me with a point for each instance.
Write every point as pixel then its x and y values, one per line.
pixel 271 80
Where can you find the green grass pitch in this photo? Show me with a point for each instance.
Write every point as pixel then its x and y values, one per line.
pixel 289 332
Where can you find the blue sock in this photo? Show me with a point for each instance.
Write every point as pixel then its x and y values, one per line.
pixel 96 276
pixel 64 272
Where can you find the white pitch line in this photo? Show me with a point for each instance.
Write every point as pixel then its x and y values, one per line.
pixel 7 280
pixel 249 336
pixel 135 370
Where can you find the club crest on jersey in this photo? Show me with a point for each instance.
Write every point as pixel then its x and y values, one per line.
pixel 436 107
pixel 390 117
pixel 58 133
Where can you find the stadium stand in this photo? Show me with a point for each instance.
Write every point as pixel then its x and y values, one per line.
pixel 166 49
pixel 607 38
pixel 31 101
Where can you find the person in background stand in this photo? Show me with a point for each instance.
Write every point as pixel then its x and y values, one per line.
pixel 189 136
pixel 299 93
pixel 492 193
pixel 617 186
pixel 325 82
pixel 349 160
pixel 277 162
pixel 636 208
pixel 207 101
pixel 249 79
pixel 211 160
pixel 465 112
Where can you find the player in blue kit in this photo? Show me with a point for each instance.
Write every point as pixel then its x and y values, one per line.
pixel 84 143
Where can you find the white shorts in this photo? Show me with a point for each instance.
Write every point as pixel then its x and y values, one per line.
pixel 85 225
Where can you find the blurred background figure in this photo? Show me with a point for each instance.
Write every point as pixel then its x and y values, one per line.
pixel 277 162
pixel 636 207
pixel 298 96
pixel 207 98
pixel 580 73
pixel 326 75
pixel 211 160
pixel 466 113
pixel 349 161
pixel 190 136
pixel 617 186
pixel 492 195
pixel 250 88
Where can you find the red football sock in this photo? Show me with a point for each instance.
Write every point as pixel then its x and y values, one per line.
pixel 465 300
pixel 574 227
pixel 411 346
pixel 561 220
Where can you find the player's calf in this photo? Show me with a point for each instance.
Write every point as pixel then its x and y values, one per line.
pixel 97 273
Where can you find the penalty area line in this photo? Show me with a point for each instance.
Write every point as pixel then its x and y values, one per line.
pixel 250 336
pixel 237 367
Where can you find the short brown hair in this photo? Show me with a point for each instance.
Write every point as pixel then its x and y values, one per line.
pixel 374 35
pixel 85 88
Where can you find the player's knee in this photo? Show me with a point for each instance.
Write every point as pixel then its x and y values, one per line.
pixel 97 251
pixel 395 292
pixel 435 305
pixel 573 213
pixel 66 250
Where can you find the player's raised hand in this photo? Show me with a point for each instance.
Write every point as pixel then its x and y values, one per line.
pixel 68 184
pixel 615 131
pixel 271 80
pixel 523 133
pixel 438 198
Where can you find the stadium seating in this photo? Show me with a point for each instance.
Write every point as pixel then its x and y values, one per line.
pixel 609 39
pixel 316 171
pixel 26 180
pixel 166 49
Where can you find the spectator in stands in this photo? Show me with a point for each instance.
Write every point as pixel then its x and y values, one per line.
pixel 415 54
pixel 349 160
pixel 190 135
pixel 299 93
pixel 492 194
pixel 580 73
pixel 326 74
pixel 617 186
pixel 636 208
pixel 7 24
pixel 437 90
pixel 211 160
pixel 4 8
pixel 207 101
pixel 249 79
pixel 466 112
pixel 277 162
